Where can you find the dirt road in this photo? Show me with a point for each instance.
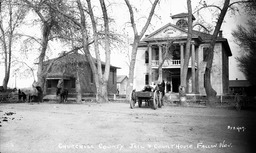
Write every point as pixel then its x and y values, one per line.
pixel 114 127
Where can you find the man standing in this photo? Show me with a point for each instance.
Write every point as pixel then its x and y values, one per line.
pixel 163 87
pixel 59 86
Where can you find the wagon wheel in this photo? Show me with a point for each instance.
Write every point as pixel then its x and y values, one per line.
pixel 133 99
pixel 155 100
pixel 140 102
pixel 160 103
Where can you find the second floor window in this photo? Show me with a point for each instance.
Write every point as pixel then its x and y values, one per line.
pixel 146 57
pixel 205 53
pixel 155 53
pixel 176 54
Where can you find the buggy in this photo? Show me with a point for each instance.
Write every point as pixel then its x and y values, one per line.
pixel 154 97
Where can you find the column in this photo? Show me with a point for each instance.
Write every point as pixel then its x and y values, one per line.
pixel 181 57
pixel 150 64
pixel 193 68
pixel 160 62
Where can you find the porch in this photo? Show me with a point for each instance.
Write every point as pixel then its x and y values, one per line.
pixel 171 64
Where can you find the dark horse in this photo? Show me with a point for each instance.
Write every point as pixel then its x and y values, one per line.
pixel 63 94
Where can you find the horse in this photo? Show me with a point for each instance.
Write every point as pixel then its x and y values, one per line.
pixel 63 94
pixel 22 96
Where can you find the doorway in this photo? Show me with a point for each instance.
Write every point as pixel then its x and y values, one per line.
pixel 175 83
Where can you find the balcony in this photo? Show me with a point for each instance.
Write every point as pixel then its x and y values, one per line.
pixel 170 64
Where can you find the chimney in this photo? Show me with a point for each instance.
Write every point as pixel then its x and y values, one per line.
pixel 220 34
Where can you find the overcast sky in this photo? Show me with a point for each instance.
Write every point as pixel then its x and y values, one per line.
pixel 164 11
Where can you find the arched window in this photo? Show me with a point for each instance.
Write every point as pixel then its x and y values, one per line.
pixel 182 23
pixel 146 56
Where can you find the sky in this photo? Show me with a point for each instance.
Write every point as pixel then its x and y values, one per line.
pixel 164 11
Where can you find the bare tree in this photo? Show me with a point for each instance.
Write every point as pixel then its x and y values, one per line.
pixel 52 26
pixel 13 15
pixel 136 39
pixel 211 93
pixel 107 50
pixel 184 71
pixel 100 76
pixel 47 19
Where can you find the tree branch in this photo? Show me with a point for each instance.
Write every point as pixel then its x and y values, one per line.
pixel 149 18
pixel 207 6
pixel 36 10
pixel 131 17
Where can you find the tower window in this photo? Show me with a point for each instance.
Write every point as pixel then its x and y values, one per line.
pixel 182 23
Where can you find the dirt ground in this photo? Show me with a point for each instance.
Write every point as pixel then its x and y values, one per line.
pixel 114 127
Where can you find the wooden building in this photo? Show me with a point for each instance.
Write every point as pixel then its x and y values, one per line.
pixel 239 86
pixel 151 53
pixel 68 68
pixel 122 81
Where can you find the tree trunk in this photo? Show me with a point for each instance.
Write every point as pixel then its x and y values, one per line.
pixel 131 69
pixel 107 51
pixel 7 50
pixel 87 53
pixel 78 86
pixel 184 71
pixel 40 75
pixel 136 40
pixel 211 93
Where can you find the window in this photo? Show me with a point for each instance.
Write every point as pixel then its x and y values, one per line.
pixel 146 57
pixel 176 54
pixel 113 76
pixel 205 53
pixel 155 53
pixel 146 79
pixel 182 23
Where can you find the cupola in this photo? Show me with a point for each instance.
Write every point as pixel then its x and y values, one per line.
pixel 181 20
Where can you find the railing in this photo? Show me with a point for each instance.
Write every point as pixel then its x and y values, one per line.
pixel 169 63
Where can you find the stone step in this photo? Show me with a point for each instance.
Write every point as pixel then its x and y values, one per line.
pixel 172 96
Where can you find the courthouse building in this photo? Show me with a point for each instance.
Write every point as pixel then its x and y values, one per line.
pixel 152 49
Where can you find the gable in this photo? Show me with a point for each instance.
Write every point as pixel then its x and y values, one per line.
pixel 121 78
pixel 168 31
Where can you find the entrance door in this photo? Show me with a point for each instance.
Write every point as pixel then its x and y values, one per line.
pixel 175 83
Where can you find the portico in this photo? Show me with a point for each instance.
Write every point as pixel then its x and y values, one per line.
pixel 165 62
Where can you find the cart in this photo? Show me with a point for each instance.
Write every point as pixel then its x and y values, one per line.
pixel 152 98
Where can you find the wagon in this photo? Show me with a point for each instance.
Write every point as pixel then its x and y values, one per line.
pixel 153 98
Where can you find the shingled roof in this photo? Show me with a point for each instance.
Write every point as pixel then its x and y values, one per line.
pixel 73 58
pixel 58 70
pixel 182 15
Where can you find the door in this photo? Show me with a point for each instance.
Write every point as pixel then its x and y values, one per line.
pixel 175 83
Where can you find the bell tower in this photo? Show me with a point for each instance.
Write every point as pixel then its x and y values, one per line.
pixel 181 20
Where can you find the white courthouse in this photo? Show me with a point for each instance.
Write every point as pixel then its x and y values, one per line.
pixel 153 46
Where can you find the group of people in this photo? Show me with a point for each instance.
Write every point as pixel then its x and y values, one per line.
pixel 34 95
pixel 162 86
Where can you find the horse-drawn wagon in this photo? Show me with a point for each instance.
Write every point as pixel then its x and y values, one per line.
pixel 153 97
